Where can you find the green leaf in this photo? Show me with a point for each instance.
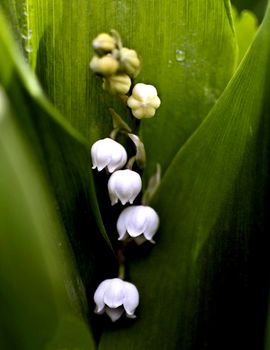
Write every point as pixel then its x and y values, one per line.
pixel 60 53
pixel 45 127
pixel 42 298
pixel 246 25
pixel 200 286
pixel 197 60
pixel 63 155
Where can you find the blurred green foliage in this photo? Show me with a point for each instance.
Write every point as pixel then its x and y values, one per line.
pixel 256 6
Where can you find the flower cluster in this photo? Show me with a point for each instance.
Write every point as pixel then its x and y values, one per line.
pixel 118 66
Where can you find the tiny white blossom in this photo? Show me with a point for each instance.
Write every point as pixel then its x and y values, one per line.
pixel 108 153
pixel 114 296
pixel 144 101
pixel 124 185
pixel 138 221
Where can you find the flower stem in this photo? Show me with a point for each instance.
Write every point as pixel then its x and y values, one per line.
pixel 121 271
pixel 121 262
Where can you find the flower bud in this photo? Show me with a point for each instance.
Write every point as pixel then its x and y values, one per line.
pixel 117 84
pixel 130 62
pixel 103 44
pixel 143 101
pixel 108 153
pixel 124 185
pixel 114 296
pixel 138 221
pixel 106 65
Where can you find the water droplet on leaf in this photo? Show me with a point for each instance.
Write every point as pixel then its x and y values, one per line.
pixel 180 55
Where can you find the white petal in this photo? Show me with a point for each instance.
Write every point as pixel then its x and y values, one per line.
pixel 138 112
pixel 114 314
pixel 133 103
pixel 121 223
pixel 102 159
pixel 111 189
pixel 118 157
pixel 114 294
pixel 136 185
pixel 136 221
pixel 113 198
pixel 123 192
pixel 155 102
pixel 99 296
pixel 93 155
pixel 131 300
pixel 100 154
pixel 152 223
pixel 143 91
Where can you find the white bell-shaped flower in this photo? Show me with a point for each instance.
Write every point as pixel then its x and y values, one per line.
pixel 114 297
pixel 124 185
pixel 138 221
pixel 144 101
pixel 108 153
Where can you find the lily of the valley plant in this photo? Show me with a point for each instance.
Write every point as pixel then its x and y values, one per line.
pixel 138 222
pixel 134 174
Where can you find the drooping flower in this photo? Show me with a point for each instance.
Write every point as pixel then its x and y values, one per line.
pixel 114 297
pixel 108 153
pixel 144 101
pixel 124 185
pixel 138 221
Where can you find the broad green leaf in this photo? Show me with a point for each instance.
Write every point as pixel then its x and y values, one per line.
pixel 64 157
pixel 199 285
pixel 188 51
pixel 55 139
pixel 42 298
pixel 246 25
pixel 198 59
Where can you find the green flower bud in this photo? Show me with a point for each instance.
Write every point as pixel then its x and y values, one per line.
pixel 130 62
pixel 106 65
pixel 117 84
pixel 103 43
